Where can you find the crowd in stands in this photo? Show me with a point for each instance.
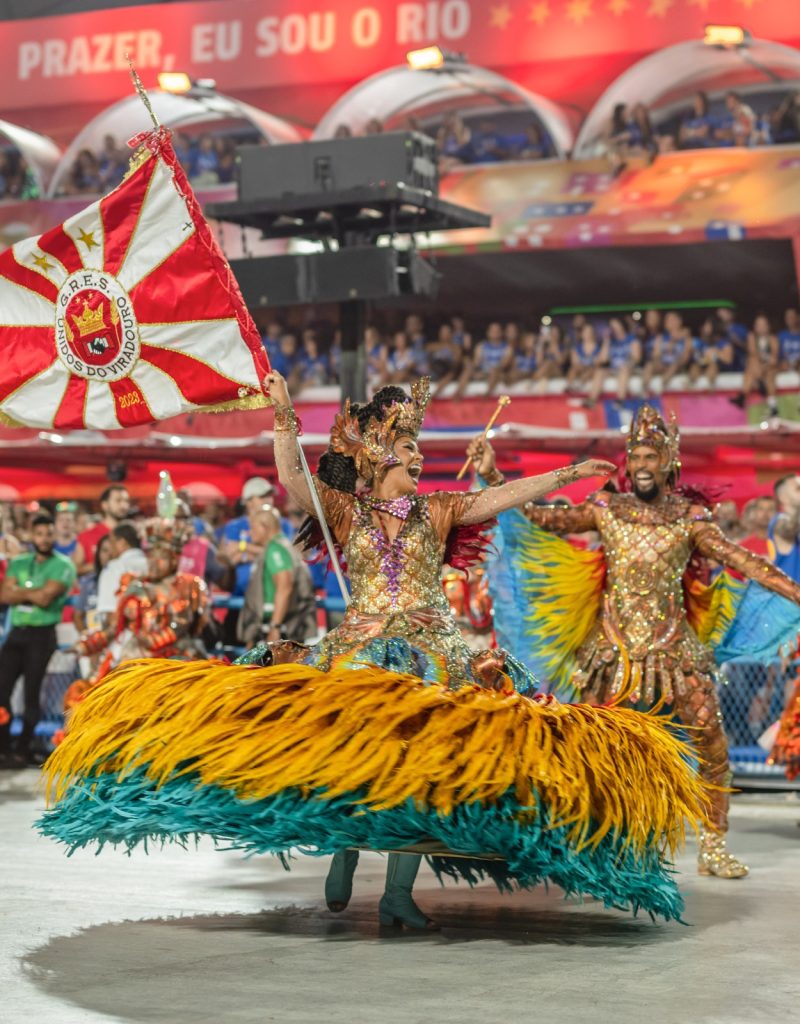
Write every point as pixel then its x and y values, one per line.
pixel 17 180
pixel 484 143
pixel 731 122
pixel 207 160
pixel 583 352
pixel 210 159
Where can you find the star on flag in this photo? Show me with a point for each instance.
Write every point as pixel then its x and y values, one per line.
pixel 120 316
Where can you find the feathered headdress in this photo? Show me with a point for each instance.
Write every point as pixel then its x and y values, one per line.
pixel 372 447
pixel 648 428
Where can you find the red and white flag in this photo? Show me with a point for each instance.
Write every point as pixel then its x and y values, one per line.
pixel 126 313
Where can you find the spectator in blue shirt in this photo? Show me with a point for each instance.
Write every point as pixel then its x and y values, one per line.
pixel 588 364
pixel 493 357
pixel 789 341
pixel 524 360
pixel 272 341
pixel 312 366
pixel 533 144
pixel 784 530
pixel 697 130
pixel 377 354
pixel 736 333
pixel 624 355
pixel 415 331
pixel 712 352
pixel 671 353
pixel 487 145
pixel 285 361
pixel 205 163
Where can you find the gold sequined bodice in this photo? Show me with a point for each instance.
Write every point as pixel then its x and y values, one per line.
pixel 399 575
pixel 646 559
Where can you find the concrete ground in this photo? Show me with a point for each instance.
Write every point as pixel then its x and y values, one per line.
pixel 200 936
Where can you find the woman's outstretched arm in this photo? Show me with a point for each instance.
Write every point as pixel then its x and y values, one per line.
pixel 502 496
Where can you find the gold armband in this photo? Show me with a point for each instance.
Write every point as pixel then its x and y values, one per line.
pixel 287 420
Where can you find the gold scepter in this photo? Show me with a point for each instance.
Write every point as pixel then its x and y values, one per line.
pixel 502 402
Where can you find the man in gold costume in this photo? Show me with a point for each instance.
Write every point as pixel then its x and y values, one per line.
pixel 642 646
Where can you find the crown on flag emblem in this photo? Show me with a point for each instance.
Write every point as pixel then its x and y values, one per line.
pixel 90 321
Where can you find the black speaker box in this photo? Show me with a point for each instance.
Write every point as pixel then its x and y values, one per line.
pixel 350 274
pixel 337 165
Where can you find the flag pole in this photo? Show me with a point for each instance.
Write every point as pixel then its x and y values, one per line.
pixel 326 533
pixel 137 83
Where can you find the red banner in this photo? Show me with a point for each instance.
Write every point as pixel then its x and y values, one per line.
pixel 246 44
pixel 127 313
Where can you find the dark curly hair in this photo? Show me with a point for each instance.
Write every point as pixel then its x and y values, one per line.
pixel 339 471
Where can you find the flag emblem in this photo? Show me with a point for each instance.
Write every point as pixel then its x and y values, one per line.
pixel 96 331
pixel 127 312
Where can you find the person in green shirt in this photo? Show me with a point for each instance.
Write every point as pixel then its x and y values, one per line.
pixel 280 591
pixel 36 586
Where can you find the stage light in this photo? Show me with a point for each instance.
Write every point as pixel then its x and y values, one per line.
pixel 636 315
pixel 174 81
pixel 546 321
pixel 726 36
pixel 425 59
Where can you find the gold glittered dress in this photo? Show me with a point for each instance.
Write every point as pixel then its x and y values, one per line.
pixel 399 617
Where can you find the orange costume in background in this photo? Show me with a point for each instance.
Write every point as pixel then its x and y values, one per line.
pixel 154 619
pixel 786 750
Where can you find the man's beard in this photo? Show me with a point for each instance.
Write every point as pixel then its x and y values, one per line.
pixel 651 493
pixel 48 550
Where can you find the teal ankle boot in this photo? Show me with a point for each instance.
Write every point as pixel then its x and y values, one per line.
pixel 339 883
pixel 396 906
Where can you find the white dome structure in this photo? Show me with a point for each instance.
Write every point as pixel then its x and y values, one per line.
pixel 200 111
pixel 39 152
pixel 666 80
pixel 402 98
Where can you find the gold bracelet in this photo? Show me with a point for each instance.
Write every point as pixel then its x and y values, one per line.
pixel 286 420
pixel 496 480
pixel 566 475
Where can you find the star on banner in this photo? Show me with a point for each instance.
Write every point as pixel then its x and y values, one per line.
pixel 87 237
pixel 43 263
pixel 659 8
pixel 500 16
pixel 539 12
pixel 579 10
pixel 618 7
